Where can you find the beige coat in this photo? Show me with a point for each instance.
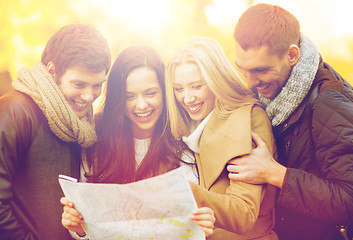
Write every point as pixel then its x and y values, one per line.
pixel 236 204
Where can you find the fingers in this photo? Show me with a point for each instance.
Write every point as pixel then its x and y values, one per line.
pixel 75 227
pixel 237 169
pixel 71 218
pixel 233 172
pixel 204 224
pixel 208 231
pixel 69 208
pixel 232 168
pixel 204 213
pixel 72 223
pixel 237 176
pixel 240 173
pixel 204 217
pixel 72 212
pixel 66 202
pixel 203 210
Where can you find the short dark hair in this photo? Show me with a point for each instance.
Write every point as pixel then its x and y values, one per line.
pixel 77 45
pixel 267 25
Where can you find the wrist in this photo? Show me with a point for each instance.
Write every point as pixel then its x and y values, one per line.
pixel 277 176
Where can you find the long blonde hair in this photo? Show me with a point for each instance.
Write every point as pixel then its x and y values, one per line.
pixel 223 80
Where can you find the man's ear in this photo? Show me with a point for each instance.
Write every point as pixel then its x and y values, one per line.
pixel 293 54
pixel 51 69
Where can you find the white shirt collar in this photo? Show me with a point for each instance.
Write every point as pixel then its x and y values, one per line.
pixel 193 140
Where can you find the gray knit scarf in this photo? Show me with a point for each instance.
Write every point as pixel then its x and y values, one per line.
pixel 297 86
pixel 63 121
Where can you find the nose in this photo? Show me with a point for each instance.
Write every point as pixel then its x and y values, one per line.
pixel 189 97
pixel 252 80
pixel 141 103
pixel 88 95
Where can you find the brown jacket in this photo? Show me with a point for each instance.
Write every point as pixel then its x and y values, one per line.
pixel 31 159
pixel 236 204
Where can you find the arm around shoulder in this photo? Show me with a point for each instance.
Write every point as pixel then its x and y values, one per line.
pixel 261 125
pixel 273 172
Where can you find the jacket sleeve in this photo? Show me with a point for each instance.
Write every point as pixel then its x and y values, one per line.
pixel 15 138
pixel 329 197
pixel 237 210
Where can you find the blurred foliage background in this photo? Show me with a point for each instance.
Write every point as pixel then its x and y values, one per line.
pixel 26 26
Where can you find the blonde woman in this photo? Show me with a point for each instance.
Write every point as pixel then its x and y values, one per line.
pixel 214 113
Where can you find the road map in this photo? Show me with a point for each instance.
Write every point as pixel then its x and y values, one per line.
pixel 157 208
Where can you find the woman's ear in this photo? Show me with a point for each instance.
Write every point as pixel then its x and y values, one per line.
pixel 51 69
pixel 293 54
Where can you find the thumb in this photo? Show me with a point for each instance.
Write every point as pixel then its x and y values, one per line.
pixel 257 139
pixel 66 202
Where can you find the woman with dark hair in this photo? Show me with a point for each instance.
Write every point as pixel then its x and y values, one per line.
pixel 133 115
pixel 134 138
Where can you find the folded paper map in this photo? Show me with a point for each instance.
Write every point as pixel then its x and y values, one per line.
pixel 158 208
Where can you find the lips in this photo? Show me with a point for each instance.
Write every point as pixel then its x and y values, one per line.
pixel 80 108
pixel 194 108
pixel 263 89
pixel 80 105
pixel 144 114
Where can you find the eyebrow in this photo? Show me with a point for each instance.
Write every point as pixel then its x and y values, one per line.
pixel 254 68
pixel 148 89
pixel 197 81
pixel 82 81
pixel 152 88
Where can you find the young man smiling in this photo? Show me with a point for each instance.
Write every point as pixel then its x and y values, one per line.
pixel 311 110
pixel 44 123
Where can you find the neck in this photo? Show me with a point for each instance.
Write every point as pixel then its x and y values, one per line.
pixel 142 133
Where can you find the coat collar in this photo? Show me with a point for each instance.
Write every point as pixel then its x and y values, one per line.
pixel 221 141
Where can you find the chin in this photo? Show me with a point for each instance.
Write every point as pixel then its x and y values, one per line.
pixel 197 118
pixel 268 96
pixel 81 115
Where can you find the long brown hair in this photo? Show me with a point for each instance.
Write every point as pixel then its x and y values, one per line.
pixel 112 159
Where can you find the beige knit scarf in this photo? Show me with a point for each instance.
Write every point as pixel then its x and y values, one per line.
pixel 63 121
